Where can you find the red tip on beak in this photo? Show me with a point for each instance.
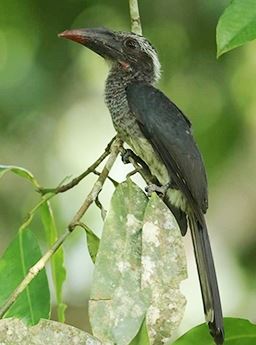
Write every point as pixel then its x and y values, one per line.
pixel 74 35
pixel 100 40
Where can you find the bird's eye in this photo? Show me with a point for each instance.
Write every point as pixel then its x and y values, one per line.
pixel 130 43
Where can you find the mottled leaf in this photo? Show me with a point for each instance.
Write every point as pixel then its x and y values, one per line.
pixel 138 270
pixel 18 171
pixel 237 332
pixel 34 302
pixel 117 306
pixel 163 269
pixel 46 332
pixel 57 260
pixel 236 26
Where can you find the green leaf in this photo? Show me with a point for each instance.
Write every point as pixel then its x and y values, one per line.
pixel 237 332
pixel 236 26
pixel 93 243
pixel 34 302
pixel 163 269
pixel 18 171
pixel 57 260
pixel 117 307
pixel 142 336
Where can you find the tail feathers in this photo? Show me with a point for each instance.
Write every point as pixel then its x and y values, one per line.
pixel 208 279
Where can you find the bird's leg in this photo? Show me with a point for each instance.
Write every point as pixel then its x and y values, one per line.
pixel 158 189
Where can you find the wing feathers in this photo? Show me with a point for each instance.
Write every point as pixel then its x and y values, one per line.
pixel 168 130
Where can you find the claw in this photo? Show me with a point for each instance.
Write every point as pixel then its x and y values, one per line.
pixel 126 154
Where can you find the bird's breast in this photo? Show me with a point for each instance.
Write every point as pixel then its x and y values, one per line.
pixel 127 127
pixel 123 120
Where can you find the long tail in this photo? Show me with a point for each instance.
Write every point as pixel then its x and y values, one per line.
pixel 207 277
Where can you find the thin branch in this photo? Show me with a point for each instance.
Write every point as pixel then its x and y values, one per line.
pixel 115 148
pixel 30 214
pixel 115 183
pixel 76 180
pixel 34 270
pixel 135 17
pixel 131 173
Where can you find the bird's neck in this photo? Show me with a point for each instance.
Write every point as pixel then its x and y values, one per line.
pixel 116 99
pixel 120 77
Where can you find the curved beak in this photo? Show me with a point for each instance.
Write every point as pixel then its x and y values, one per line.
pixel 100 40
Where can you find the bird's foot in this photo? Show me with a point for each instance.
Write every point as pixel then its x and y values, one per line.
pixel 127 154
pixel 158 189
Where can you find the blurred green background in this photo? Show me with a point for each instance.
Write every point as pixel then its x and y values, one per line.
pixel 54 122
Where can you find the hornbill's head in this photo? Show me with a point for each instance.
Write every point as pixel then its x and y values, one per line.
pixel 132 52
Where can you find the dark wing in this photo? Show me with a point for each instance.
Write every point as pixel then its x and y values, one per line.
pixel 169 132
